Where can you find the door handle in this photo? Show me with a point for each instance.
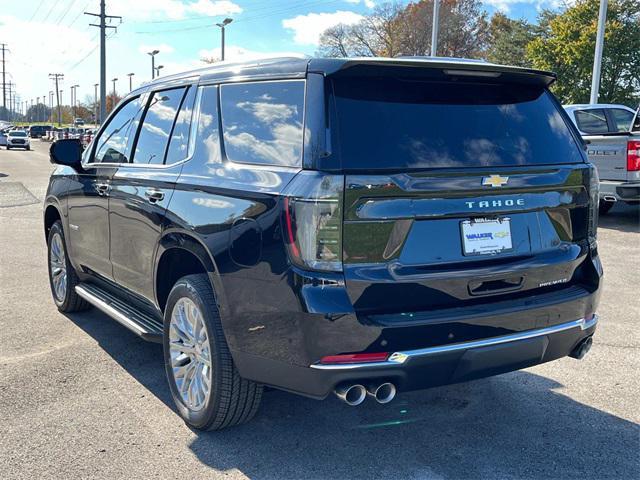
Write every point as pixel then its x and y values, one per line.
pixel 103 188
pixel 154 195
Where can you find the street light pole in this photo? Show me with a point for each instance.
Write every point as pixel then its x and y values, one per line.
pixel 597 58
pixel 158 68
pixel 114 80
pixel 223 24
pixel 153 62
pixel 434 28
pixel 130 75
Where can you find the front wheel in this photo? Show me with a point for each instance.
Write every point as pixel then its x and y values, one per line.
pixel 204 382
pixel 62 276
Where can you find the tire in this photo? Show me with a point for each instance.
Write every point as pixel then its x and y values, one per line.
pixel 231 400
pixel 28 148
pixel 605 206
pixel 66 299
pixel 8 147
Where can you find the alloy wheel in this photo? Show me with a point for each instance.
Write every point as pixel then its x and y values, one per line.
pixel 190 354
pixel 58 265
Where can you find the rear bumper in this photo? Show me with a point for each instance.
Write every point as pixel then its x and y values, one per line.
pixel 428 367
pixel 621 191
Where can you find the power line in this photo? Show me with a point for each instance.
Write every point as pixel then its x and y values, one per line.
pixel 65 12
pixel 53 5
pixel 37 10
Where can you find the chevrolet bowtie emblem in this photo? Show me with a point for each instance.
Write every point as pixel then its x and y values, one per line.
pixel 494 181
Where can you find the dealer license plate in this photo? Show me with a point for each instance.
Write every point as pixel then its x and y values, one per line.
pixel 482 236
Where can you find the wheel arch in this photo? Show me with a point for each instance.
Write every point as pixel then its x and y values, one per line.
pixel 179 254
pixel 51 215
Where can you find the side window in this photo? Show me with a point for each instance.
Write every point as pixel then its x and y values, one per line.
pixel 156 126
pixel 179 141
pixel 262 122
pixel 111 145
pixel 207 141
pixel 592 121
pixel 621 119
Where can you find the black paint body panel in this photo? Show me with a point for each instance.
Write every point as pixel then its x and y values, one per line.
pixel 397 291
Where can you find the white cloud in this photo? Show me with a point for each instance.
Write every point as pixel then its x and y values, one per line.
pixel 162 47
pixel 209 7
pixel 308 28
pixel 30 71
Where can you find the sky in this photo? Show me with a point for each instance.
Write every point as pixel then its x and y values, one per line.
pixel 54 36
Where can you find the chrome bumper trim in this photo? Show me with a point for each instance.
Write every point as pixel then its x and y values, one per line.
pixel 399 358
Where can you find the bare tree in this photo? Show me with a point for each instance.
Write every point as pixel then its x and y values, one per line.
pixel 393 29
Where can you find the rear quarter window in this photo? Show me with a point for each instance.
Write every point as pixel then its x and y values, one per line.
pixel 262 122
pixel 398 124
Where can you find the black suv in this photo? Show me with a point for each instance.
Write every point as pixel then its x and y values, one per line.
pixel 37 131
pixel 357 226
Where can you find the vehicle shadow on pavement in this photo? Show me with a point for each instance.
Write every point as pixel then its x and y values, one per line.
pixel 515 425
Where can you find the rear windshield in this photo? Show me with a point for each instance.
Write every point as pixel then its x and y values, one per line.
pixel 395 123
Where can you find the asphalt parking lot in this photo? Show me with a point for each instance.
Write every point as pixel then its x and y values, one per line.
pixel 81 396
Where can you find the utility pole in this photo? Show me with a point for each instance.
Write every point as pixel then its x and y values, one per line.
pixel 51 106
pixel 434 28
pixel 95 103
pixel 103 54
pixel 3 46
pixel 10 88
pixel 56 77
pixel 597 58
pixel 74 100
pixel 223 24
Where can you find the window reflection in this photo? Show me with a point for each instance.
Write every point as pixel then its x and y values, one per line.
pixel 156 126
pixel 262 122
pixel 112 143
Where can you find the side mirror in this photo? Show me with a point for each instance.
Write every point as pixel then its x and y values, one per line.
pixel 67 152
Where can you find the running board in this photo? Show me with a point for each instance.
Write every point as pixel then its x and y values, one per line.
pixel 142 324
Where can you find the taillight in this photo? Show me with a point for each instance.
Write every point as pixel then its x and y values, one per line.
pixel 313 221
pixel 594 200
pixel 633 155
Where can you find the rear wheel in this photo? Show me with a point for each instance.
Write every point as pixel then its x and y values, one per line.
pixel 605 206
pixel 205 385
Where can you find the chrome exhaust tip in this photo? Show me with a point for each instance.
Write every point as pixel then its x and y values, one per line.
pixel 582 349
pixel 352 395
pixel 383 393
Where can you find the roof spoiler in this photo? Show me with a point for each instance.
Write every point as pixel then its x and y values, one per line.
pixel 432 67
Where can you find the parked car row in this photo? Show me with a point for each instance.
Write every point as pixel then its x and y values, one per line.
pixel 85 135
pixel 612 137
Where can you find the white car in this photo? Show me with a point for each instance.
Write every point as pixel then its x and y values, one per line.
pixel 18 139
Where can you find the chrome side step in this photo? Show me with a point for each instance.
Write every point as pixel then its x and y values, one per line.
pixel 142 324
